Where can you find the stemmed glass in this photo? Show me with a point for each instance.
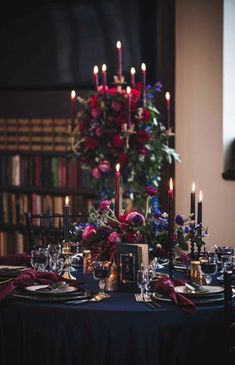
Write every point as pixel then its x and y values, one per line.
pixel 209 265
pixel 56 263
pixel 39 259
pixel 101 271
pixel 141 282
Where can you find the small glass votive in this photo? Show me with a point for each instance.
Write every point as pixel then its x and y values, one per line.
pixel 195 272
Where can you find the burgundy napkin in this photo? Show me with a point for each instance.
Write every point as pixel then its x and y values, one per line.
pixel 166 286
pixel 29 277
pixel 20 259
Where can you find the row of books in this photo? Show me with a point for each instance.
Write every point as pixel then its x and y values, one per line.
pixel 11 243
pixel 13 206
pixel 43 171
pixel 51 134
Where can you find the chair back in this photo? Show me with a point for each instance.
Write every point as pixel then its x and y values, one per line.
pixel 229 314
pixel 45 228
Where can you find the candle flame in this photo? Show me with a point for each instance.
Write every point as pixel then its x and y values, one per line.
pixel 73 94
pixel 167 95
pixel 128 90
pixel 118 167
pixel 95 70
pixel 119 45
pixel 143 67
pixel 132 70
pixel 67 200
pixel 200 196
pixel 193 187
pixel 104 68
pixel 171 184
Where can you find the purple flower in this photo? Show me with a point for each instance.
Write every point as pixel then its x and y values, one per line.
pixel 179 220
pixel 135 218
pixel 150 190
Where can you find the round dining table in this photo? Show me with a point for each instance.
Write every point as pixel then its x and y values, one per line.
pixel 117 331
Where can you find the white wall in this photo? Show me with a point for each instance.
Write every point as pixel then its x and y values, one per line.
pixel 199 113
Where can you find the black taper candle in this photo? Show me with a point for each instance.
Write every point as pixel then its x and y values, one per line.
pixel 171 229
pixel 192 205
pixel 66 220
pixel 199 221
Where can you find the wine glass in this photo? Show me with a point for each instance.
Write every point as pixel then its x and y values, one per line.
pixel 39 259
pixel 141 282
pixel 101 271
pixel 209 265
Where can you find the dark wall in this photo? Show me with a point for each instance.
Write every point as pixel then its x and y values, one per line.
pixel 55 44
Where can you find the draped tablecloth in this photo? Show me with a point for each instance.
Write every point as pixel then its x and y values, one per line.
pixel 119 331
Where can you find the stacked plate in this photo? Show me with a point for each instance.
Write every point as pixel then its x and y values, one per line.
pixel 7 272
pixel 45 293
pixel 206 295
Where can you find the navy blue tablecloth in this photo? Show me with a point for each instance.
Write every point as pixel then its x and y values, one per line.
pixel 119 331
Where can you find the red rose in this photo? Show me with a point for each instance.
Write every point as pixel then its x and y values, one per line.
pixel 118 141
pixel 121 119
pixel 142 137
pixel 91 143
pixel 122 158
pixel 145 115
pixel 94 102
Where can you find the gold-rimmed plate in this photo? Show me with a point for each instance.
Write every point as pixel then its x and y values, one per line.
pixel 42 290
pixel 207 300
pixel 206 291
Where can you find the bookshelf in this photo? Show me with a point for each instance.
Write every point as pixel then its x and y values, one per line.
pixel 36 174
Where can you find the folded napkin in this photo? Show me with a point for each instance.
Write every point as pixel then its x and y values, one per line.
pixel 166 286
pixel 20 259
pixel 29 277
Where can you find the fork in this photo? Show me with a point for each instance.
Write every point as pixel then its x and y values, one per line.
pixel 146 300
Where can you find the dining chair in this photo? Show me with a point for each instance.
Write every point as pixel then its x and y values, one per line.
pixel 48 227
pixel 229 319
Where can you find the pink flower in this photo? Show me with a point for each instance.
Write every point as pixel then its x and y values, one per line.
pixel 114 237
pixel 105 205
pixel 95 172
pixel 88 233
pixel 104 166
pixel 118 141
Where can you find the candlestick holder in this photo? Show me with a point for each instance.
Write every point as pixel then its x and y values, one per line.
pixel 192 251
pixel 127 132
pixel 67 253
pixel 171 256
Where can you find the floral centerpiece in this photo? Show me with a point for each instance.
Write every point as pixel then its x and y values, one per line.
pixel 119 125
pixel 104 230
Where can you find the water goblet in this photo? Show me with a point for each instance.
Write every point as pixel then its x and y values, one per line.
pixel 39 259
pixel 208 268
pixel 101 271
pixel 141 282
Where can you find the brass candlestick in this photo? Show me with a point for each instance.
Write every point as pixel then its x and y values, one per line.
pixel 67 253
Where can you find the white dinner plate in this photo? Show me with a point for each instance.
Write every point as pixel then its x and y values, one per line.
pixel 207 290
pixel 207 300
pixel 36 289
